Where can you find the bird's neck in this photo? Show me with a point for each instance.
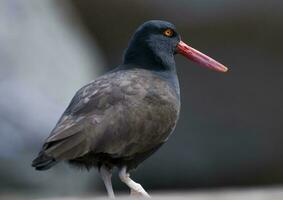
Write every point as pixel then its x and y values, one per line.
pixel 147 59
pixel 160 63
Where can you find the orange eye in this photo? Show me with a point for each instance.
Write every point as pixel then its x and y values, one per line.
pixel 168 32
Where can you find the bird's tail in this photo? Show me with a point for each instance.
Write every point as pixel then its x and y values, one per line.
pixel 43 161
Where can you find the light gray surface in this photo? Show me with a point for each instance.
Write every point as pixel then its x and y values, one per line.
pixel 219 194
pixel 252 194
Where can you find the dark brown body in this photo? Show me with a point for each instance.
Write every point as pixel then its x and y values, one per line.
pixel 119 119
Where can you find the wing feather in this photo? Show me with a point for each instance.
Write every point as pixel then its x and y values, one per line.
pixel 70 137
pixel 120 106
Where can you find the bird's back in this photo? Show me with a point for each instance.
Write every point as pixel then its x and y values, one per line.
pixel 120 116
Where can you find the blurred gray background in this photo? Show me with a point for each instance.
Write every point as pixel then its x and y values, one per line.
pixel 230 132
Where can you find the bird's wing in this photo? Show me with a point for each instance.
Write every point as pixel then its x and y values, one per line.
pixel 73 119
pixel 124 107
pixel 75 131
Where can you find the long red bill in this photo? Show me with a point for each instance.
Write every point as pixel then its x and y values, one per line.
pixel 199 57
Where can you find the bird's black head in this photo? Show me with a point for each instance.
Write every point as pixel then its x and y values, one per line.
pixel 153 46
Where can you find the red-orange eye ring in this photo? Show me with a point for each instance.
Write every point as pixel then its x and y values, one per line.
pixel 168 32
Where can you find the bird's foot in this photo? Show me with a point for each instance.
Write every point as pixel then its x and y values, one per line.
pixel 139 192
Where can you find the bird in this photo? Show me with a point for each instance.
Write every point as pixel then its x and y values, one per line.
pixel 124 116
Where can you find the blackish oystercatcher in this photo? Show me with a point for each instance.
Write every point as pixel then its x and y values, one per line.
pixel 124 116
